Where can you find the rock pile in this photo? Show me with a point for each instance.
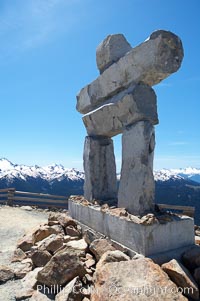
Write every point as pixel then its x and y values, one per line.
pixel 159 217
pixel 121 100
pixel 80 264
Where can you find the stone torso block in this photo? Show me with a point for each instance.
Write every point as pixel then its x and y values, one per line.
pixel 134 104
pixel 150 63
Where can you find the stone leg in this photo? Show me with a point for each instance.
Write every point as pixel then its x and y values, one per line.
pixel 137 186
pixel 100 169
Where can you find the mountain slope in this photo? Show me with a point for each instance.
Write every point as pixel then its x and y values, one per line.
pixel 188 173
pixel 175 186
pixel 179 191
pixel 54 179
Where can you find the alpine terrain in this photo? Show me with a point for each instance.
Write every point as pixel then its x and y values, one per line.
pixel 173 186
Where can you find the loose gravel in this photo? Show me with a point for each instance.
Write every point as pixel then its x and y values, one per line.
pixel 14 223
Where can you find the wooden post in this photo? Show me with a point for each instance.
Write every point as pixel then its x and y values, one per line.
pixel 11 193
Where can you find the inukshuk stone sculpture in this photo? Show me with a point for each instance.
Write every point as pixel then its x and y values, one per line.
pixel 121 100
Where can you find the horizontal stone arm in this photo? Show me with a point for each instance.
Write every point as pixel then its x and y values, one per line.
pixel 150 63
pixel 133 105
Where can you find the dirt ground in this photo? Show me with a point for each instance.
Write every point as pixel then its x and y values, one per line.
pixel 14 223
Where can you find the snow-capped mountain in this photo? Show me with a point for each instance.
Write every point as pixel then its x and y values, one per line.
pixel 189 173
pixel 173 186
pixel 51 179
pixel 56 172
pixel 49 173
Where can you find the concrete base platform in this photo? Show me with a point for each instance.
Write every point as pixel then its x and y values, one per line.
pixel 149 240
pixel 164 257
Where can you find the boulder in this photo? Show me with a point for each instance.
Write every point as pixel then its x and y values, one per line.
pixel 182 278
pixel 68 238
pixel 86 290
pixel 72 231
pixel 138 280
pixel 89 263
pixel 150 63
pixel 23 294
pixel 99 246
pixel 44 231
pixel 37 296
pixel 51 243
pixel 87 279
pixel 100 169
pixel 30 281
pixel 137 186
pixel 191 258
pixel 61 248
pixel 25 243
pixel 29 284
pixel 62 218
pixel 90 235
pixel 24 267
pixel 112 256
pixel 63 267
pixel 78 244
pixel 119 212
pixel 89 271
pixel 71 292
pixel 58 229
pixel 18 255
pixel 127 107
pixel 110 50
pixel 88 256
pixel 40 258
pixel 6 273
pixel 150 219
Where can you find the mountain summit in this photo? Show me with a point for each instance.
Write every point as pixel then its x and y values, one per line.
pixel 189 173
pixel 173 186
pixel 58 172
pixel 53 178
pixel 49 173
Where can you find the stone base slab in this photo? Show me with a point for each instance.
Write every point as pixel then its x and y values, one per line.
pixel 158 258
pixel 147 240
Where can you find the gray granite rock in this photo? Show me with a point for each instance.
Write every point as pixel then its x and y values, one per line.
pixel 6 273
pixel 182 278
pixel 132 105
pixel 150 63
pixel 110 50
pixel 137 280
pixel 100 169
pixel 62 268
pixel 136 189
pixel 71 292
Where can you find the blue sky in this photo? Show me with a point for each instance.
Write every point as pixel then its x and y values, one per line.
pixel 47 54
